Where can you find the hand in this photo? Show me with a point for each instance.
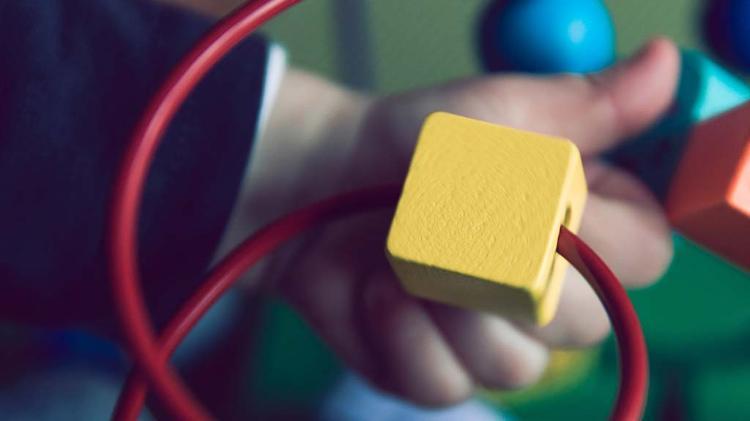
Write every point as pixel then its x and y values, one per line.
pixel 430 353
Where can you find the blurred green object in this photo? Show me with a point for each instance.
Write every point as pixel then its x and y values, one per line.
pixel 566 369
pixel 290 370
pixel 721 393
pixel 698 310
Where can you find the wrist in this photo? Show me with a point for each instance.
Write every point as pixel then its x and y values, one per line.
pixel 299 155
pixel 310 136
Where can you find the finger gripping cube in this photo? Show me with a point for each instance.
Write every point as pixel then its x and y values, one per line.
pixel 479 215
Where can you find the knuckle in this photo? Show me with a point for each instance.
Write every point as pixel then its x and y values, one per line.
pixel 514 370
pixel 442 394
pixel 514 374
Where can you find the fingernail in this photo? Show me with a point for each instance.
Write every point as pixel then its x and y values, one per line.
pixel 623 65
pixel 645 50
pixel 626 63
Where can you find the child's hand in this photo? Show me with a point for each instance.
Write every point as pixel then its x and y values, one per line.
pixel 427 352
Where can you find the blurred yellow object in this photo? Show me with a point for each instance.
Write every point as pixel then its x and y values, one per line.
pixel 566 368
pixel 479 216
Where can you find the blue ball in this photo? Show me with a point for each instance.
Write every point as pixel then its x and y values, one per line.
pixel 737 30
pixel 548 36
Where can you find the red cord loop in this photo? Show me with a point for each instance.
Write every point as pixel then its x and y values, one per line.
pixel 633 388
pixel 151 354
pixel 231 268
pixel 138 330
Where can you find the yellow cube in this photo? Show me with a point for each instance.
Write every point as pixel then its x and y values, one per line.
pixel 478 219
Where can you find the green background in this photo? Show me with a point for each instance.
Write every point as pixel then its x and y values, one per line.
pixel 696 319
pixel 419 42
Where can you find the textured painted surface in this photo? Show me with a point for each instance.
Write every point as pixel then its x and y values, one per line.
pixel 478 219
pixel 709 200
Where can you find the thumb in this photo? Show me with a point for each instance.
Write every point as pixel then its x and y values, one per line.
pixel 630 96
pixel 595 111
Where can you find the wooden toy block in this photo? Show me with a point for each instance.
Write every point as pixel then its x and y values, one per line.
pixel 709 200
pixel 705 90
pixel 478 219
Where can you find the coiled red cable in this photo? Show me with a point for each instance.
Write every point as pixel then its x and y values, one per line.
pixel 151 354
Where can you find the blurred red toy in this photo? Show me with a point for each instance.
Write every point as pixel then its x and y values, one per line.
pixel 709 200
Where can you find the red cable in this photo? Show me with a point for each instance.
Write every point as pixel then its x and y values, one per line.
pixel 631 345
pixel 133 314
pixel 150 355
pixel 229 270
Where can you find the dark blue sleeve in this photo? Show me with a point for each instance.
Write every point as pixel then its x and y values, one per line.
pixel 75 76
